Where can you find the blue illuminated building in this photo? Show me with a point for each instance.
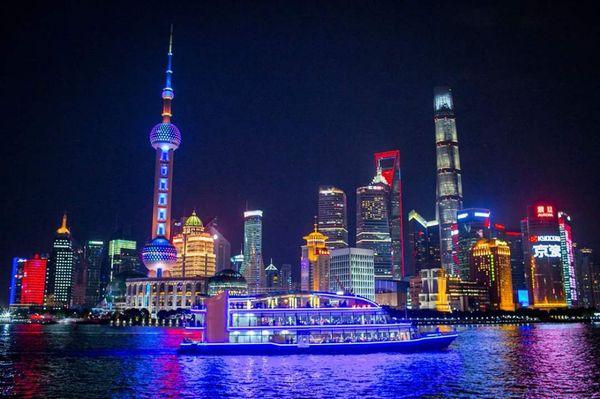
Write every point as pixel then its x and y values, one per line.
pixel 473 224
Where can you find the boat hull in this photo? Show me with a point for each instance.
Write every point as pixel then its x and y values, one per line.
pixel 424 344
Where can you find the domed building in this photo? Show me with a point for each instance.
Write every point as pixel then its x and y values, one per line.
pixel 227 279
pixel 195 250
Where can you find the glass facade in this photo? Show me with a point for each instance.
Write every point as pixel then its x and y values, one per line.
pixel 253 261
pixel 352 270
pixel 333 222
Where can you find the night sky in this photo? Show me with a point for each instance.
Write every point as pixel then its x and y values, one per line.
pixel 273 99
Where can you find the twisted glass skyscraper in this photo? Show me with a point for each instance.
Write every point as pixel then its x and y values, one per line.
pixel 449 185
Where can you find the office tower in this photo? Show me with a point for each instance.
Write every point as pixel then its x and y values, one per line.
pixel 473 224
pixel 588 278
pixel 120 254
pixel 352 270
pixel 59 273
pixel 285 277
pixel 372 224
pixel 449 185
pixel 16 281
pixel 389 163
pixel 333 220
pixel 93 254
pixel 254 272
pixel 514 239
pixel 34 281
pixel 237 262
pixel 490 267
pixel 272 277
pixel 79 279
pixel 159 255
pixel 222 247
pixel 423 244
pixel 431 286
pixel 568 259
pixel 316 255
pixel 467 296
pixel 543 263
pixel 195 250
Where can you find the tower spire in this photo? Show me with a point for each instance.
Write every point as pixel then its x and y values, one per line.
pixel 168 94
pixel 63 229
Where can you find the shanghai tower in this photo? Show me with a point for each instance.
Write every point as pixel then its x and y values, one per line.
pixel 449 186
pixel 159 255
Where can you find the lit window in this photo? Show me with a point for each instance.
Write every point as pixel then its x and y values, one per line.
pixel 162 185
pixel 164 155
pixel 162 199
pixel 163 170
pixel 162 214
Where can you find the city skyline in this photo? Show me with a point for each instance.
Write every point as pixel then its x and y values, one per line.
pixel 132 209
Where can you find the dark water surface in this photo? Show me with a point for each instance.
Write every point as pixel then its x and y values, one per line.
pixel 61 361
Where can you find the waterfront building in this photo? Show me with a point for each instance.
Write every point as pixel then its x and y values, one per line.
pixel 588 278
pixel 93 254
pixel 433 295
pixel 542 254
pixel 473 224
pixel 34 281
pixel 16 280
pixel 229 280
pixel 221 245
pixel 333 219
pixel 237 262
pixel 353 270
pixel 316 256
pixel 449 185
pixel 423 244
pixel 490 267
pixel 567 258
pixel 389 164
pixel 514 240
pixel 392 293
pixel 120 256
pixel 195 250
pixel 272 277
pixel 467 296
pixel 166 293
pixel 285 277
pixel 79 279
pixel 159 255
pixel 372 224
pixel 59 273
pixel 253 266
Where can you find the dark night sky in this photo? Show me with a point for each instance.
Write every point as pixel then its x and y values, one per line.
pixel 274 99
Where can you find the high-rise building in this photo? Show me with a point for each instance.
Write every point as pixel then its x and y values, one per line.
pixel 568 258
pixel 423 244
pixel 222 247
pixel 254 270
pixel 514 239
pixel 317 255
pixel 372 224
pixel 389 163
pixel 272 277
pixel 159 254
pixel 285 277
pixel 93 254
pixel 16 281
pixel 490 267
pixel 473 224
pixel 195 250
pixel 333 220
pixel 588 278
pixel 352 270
pixel 121 256
pixel 237 262
pixel 449 186
pixel 34 281
pixel 542 254
pixel 79 279
pixel 59 273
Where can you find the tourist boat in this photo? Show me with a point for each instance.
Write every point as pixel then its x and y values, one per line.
pixel 302 322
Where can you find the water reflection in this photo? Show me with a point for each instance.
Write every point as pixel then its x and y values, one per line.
pixel 99 361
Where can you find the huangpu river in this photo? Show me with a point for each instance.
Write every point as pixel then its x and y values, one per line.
pixel 67 361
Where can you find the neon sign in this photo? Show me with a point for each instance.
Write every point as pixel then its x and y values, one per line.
pixel 544 239
pixel 546 251
pixel 544 211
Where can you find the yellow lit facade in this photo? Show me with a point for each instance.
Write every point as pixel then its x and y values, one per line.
pixel 195 250
pixel 319 260
pixel 490 267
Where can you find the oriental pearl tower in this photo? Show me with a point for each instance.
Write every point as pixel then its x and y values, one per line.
pixel 159 255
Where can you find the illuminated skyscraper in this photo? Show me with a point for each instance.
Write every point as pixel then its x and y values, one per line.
pixel 16 280
pixel 333 220
pixel 59 273
pixel 195 250
pixel 542 254
pixel 372 224
pixel 253 266
pixel 159 255
pixel 449 185
pixel 352 271
pixel 588 278
pixel 389 163
pixel 514 239
pixel 272 277
pixel 568 258
pixel 490 267
pixel 34 281
pixel 423 244
pixel 122 256
pixel 93 254
pixel 473 225
pixel 316 254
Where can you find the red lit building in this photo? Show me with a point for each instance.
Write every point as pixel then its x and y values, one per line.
pixel 34 281
pixel 389 162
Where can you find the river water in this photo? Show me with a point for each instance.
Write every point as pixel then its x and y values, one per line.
pixel 64 361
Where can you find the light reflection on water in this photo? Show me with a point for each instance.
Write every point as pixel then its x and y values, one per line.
pixel 494 361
